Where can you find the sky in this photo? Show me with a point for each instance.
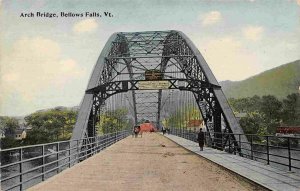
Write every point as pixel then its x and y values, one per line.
pixel 46 62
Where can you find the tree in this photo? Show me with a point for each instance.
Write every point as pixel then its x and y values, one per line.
pixel 9 142
pixel 111 121
pixel 8 125
pixel 254 104
pixel 254 123
pixel 271 109
pixel 51 125
pixel 238 105
pixel 182 116
pixel 245 105
pixel 291 110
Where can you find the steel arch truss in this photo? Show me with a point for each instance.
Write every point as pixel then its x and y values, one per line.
pixel 122 65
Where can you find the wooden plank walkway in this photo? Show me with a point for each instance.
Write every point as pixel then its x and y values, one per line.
pixel 150 163
pixel 265 175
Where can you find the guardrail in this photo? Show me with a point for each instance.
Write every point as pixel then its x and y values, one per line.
pixel 279 151
pixel 26 166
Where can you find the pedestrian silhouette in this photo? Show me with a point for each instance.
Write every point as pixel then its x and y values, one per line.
pixel 136 131
pixel 201 139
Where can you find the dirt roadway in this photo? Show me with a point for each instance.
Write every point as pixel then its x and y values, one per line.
pixel 149 163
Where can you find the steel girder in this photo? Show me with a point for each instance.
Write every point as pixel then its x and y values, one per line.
pixel 125 58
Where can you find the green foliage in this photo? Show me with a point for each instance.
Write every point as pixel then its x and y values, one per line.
pixel 271 107
pixel 245 105
pixel 112 121
pixel 38 136
pixel 51 125
pixel 9 142
pixel 291 110
pixel 8 125
pixel 265 114
pixel 182 116
pixel 280 81
pixel 254 123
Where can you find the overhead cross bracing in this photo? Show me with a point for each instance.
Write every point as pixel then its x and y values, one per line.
pixel 121 69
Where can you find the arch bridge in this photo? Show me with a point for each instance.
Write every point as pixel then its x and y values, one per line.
pixel 156 75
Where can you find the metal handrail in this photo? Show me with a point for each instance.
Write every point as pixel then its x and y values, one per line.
pixel 236 146
pixel 73 155
pixel 53 143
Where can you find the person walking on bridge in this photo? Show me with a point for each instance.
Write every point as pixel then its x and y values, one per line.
pixel 200 139
pixel 136 130
pixel 163 129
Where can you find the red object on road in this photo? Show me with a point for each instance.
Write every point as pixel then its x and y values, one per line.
pixel 147 127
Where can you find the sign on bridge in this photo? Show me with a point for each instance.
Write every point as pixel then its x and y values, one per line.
pixel 150 85
pixel 153 74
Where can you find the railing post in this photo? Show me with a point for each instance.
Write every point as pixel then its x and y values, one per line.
pixel 77 146
pixel 43 168
pixel 101 143
pixel 268 152
pixel 86 148
pixel 251 146
pixel 97 144
pixel 229 145
pixel 92 146
pixel 222 143
pixel 57 156
pixel 214 142
pixel 289 152
pixel 69 154
pixel 240 144
pixel 234 141
pixel 21 169
pixel 186 134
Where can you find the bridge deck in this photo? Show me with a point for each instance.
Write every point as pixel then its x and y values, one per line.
pixel 265 175
pixel 152 162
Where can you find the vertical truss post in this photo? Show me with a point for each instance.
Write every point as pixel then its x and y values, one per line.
pixel 217 126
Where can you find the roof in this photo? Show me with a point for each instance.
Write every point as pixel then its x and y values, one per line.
pixel 194 123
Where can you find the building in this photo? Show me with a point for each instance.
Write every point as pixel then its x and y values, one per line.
pixel 288 131
pixel 20 134
pixel 195 124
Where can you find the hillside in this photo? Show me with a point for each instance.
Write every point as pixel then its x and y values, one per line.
pixel 280 81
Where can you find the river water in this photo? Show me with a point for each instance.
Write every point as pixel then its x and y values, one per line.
pixel 14 156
